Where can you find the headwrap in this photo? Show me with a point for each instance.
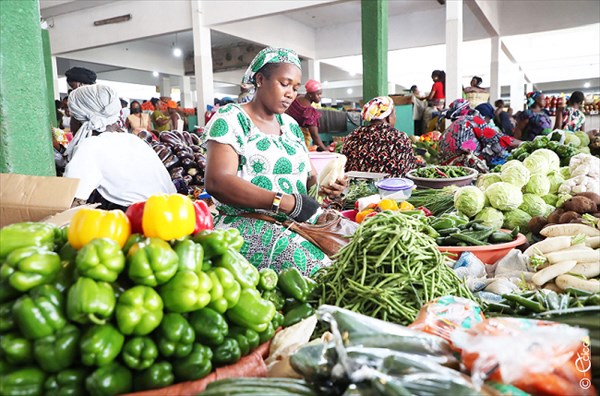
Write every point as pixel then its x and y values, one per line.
pixel 458 108
pixel 269 55
pixel 377 108
pixel 486 110
pixel 313 86
pixel 96 106
pixel 171 104
pixel 532 98
pixel 81 74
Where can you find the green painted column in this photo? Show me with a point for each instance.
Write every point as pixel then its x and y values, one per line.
pixel 374 16
pixel 49 76
pixel 25 137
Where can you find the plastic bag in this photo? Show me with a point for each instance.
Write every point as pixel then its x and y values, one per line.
pixel 539 357
pixel 444 315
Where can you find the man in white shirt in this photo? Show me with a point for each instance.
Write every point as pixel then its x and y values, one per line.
pixel 115 169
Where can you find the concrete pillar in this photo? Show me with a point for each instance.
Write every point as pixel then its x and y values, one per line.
pixel 454 40
pixel 186 92
pixel 495 90
pixel 55 79
pixel 374 25
pixel 391 88
pixel 49 77
pixel 202 60
pixel 165 86
pixel 314 70
pixel 517 85
pixel 528 87
pixel 25 137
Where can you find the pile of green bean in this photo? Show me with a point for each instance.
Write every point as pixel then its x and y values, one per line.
pixel 438 201
pixel 442 172
pixel 389 270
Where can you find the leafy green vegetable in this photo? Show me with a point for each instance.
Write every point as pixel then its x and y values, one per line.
pixel 516 174
pixel 469 200
pixel 486 180
pixel 550 199
pixel 490 217
pixel 538 184
pixel 516 218
pixel 555 178
pixel 533 205
pixel 551 157
pixel 536 164
pixel 504 196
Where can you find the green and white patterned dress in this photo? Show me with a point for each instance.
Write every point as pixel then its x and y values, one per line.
pixel 275 163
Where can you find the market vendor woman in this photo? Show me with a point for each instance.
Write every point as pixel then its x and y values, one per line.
pixel 257 162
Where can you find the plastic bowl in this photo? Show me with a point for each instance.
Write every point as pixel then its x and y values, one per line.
pixel 396 188
pixel 424 182
pixel 320 159
pixel 488 254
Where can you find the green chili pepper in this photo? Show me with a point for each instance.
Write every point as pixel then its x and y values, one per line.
pixel 100 345
pixel 152 263
pixel 26 381
pixel 175 336
pixel 101 260
pixel 225 292
pixel 40 313
pixel 210 326
pixel 22 235
pixel 159 375
pixel 70 382
pixel 16 349
pixel 268 279
pixel 139 353
pixel 110 380
pixel 139 311
pixel 227 352
pixel 58 351
pixel 28 267
pixel 90 301
pixel 191 255
pixel 245 273
pixel 187 291
pixel 194 366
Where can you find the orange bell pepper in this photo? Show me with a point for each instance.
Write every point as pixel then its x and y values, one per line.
pixel 360 216
pixel 388 204
pixel 168 216
pixel 88 224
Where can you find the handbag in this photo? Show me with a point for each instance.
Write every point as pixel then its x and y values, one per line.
pixel 331 232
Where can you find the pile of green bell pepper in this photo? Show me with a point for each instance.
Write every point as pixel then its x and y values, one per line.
pixel 217 242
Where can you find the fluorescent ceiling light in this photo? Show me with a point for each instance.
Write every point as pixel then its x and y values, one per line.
pixel 586 85
pixel 349 91
pixel 155 73
pixel 177 52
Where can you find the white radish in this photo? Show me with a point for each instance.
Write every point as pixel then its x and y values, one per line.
pixel 570 229
pixel 593 242
pixel 548 245
pixel 589 270
pixel 579 247
pixel 581 256
pixel 569 281
pixel 551 272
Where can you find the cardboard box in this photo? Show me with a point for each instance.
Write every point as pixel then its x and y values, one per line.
pixel 33 198
pixel 400 100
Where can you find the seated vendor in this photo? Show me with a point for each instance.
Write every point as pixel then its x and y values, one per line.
pixel 115 169
pixel 257 162
pixel 535 120
pixel 378 146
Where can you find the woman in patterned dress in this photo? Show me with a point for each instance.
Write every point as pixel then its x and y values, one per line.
pixel 571 118
pixel 257 162
pixel 379 147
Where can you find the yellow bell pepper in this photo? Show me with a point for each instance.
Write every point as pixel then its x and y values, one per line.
pixel 168 216
pixel 406 206
pixel 388 204
pixel 88 224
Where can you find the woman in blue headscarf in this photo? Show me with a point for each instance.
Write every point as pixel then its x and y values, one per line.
pixel 535 120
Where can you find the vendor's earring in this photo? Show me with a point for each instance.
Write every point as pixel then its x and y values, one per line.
pixel 257 85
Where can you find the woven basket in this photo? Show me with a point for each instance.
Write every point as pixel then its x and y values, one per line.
pixel 477 98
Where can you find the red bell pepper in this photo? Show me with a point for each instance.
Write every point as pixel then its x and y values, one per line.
pixel 426 211
pixel 135 213
pixel 204 220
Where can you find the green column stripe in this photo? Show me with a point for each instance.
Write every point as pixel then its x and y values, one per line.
pixel 374 16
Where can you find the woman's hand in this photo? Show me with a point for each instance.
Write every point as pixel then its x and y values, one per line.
pixel 334 190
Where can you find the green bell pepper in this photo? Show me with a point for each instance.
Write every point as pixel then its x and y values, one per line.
pixel 191 255
pixel 252 311
pixel 268 279
pixel 194 366
pixel 22 235
pixel 101 260
pixel 267 334
pixel 110 380
pixel 225 292
pixel 297 314
pixel 15 349
pixel 443 223
pixel 7 320
pixel 7 292
pixel 25 381
pixel 100 345
pixel 206 264
pixel 247 339
pixel 139 311
pixel 40 313
pixel 70 382
pixel 278 320
pixel 61 236
pixel 156 376
pixel 139 353
pixel 152 263
pixel 275 297
pixel 187 291
pixel 175 336
pixel 210 326
pixel 293 284
pixel 68 253
pixel 66 275
pixel 58 351
pixel 90 301
pixel 245 273
pixel 217 242
pixel 227 353
pixel 133 240
pixel 28 267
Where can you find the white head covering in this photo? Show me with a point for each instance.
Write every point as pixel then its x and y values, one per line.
pixel 96 106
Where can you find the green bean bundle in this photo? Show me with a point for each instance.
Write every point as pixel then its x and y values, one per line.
pixel 438 201
pixel 389 270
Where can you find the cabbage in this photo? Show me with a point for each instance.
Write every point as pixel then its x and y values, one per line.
pixel 565 172
pixel 510 164
pixel 516 174
pixel 583 137
pixel 538 185
pixel 551 157
pixel 516 218
pixel 572 140
pixel 549 210
pixel 490 217
pixel 537 164
pixel 533 205
pixel 504 196
pixel 485 180
pixel 550 199
pixel 555 179
pixel 562 198
pixel 469 200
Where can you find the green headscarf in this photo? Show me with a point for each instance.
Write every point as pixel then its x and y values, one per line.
pixel 270 55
